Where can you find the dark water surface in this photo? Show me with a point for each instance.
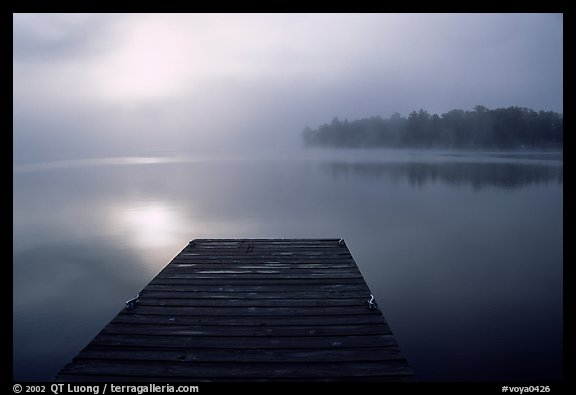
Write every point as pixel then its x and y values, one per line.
pixel 463 251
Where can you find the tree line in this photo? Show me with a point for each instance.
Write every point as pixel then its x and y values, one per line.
pixel 512 127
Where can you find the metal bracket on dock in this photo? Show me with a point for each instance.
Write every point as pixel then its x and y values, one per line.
pixel 131 303
pixel 371 303
pixel 341 243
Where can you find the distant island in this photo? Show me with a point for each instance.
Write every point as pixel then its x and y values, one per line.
pixel 512 127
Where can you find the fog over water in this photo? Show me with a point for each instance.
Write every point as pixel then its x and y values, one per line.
pixel 135 133
pixel 93 85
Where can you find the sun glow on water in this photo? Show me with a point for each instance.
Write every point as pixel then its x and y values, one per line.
pixel 152 225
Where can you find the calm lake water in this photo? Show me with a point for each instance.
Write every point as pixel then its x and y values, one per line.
pixel 462 250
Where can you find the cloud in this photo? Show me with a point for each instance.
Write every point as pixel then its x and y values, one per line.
pixel 45 37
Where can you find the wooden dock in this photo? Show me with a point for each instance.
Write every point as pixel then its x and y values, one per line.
pixel 248 310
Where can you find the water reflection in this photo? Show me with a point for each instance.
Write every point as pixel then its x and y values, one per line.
pixel 63 292
pixel 477 175
pixel 154 224
pixel 92 162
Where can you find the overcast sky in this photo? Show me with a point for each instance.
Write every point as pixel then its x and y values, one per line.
pixel 89 85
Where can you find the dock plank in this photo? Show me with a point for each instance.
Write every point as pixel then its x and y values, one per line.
pixel 260 288
pixel 230 331
pixel 241 355
pixel 239 342
pixel 234 370
pixel 268 302
pixel 208 295
pixel 238 321
pixel 253 311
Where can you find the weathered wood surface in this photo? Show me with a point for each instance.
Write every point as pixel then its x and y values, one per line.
pixel 248 310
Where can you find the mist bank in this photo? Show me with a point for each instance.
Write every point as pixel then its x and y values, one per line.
pixel 507 128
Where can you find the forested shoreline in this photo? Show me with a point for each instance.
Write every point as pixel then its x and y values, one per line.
pixel 512 127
